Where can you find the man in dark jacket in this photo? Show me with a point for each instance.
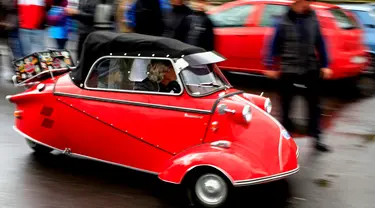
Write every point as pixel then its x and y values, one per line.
pixel 197 29
pixel 85 17
pixel 175 17
pixel 296 38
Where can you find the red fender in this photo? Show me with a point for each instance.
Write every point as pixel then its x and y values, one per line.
pixel 234 162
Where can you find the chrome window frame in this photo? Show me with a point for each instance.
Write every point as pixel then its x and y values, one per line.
pixel 134 91
pixel 206 94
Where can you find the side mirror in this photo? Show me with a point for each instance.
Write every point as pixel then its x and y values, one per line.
pixel 224 109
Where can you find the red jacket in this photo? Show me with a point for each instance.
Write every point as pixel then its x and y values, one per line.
pixel 32 13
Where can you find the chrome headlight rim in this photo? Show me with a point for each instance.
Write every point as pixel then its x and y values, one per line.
pixel 247 114
pixel 268 105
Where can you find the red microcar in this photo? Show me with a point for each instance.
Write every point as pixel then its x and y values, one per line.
pixel 159 106
pixel 243 28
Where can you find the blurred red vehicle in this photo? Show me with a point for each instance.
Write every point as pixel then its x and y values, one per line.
pixel 205 134
pixel 244 27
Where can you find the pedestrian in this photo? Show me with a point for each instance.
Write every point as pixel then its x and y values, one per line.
pixel 296 40
pixel 197 29
pixel 10 27
pixel 85 18
pixel 131 10
pixel 58 22
pixel 175 16
pixel 32 22
pixel 149 17
pixel 121 20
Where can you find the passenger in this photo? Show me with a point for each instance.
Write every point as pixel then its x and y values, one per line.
pixel 161 78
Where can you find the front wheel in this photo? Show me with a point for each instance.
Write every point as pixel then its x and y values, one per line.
pixel 40 149
pixel 209 190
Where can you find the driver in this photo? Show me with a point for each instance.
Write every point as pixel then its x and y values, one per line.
pixel 161 78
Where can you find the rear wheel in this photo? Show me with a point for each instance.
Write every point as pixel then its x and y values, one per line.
pixel 38 148
pixel 209 190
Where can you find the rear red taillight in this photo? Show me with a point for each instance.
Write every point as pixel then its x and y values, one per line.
pixel 17 114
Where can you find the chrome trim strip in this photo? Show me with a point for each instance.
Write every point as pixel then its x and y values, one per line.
pixel 201 165
pixel 212 166
pixel 274 120
pixel 265 179
pixel 83 156
pixel 165 107
pixel 32 139
pixel 132 91
pixel 113 163
pixel 280 152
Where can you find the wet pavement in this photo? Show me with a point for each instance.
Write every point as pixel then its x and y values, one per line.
pixel 343 178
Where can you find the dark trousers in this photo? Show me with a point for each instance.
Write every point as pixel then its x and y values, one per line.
pixel 288 91
pixel 61 43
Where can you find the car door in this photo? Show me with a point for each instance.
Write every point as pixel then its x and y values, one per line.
pixel 122 124
pixel 231 28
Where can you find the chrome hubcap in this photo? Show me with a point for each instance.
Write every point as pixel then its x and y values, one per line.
pixel 211 189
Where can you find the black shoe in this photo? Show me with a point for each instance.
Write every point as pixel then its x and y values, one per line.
pixel 322 147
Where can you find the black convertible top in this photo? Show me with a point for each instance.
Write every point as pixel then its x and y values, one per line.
pixel 104 43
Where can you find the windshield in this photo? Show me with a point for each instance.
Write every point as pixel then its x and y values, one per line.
pixel 365 18
pixel 203 79
pixel 342 20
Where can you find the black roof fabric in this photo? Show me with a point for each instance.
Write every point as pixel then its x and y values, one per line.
pixel 104 43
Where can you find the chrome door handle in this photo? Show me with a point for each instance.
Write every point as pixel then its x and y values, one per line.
pixel 192 116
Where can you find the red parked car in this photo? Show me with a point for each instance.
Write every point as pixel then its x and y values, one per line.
pixel 244 27
pixel 201 132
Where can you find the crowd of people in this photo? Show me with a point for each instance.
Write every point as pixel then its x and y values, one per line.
pixel 24 22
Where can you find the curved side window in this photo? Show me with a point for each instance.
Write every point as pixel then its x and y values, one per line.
pixel 134 75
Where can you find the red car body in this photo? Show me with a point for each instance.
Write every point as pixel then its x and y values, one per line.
pixel 169 136
pixel 244 42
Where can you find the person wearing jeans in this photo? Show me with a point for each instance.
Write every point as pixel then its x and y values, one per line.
pixel 32 19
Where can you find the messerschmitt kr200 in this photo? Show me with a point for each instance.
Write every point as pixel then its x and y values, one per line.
pixel 159 106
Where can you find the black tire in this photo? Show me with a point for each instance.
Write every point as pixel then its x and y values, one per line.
pixel 196 192
pixel 39 149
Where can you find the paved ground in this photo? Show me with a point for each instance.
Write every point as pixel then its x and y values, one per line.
pixel 344 178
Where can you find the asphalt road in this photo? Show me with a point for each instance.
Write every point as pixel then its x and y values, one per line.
pixel 343 178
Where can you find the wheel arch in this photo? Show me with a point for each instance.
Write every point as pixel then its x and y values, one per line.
pixel 205 168
pixel 233 166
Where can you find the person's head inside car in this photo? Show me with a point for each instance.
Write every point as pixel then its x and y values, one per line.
pixel 162 72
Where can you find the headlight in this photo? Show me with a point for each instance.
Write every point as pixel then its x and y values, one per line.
pixel 268 105
pixel 246 113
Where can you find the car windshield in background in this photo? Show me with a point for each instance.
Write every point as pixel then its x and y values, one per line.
pixel 203 79
pixel 342 20
pixel 366 19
